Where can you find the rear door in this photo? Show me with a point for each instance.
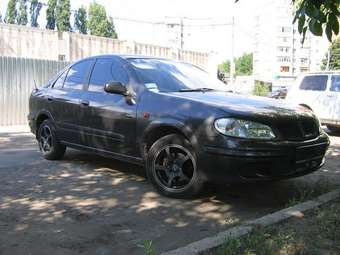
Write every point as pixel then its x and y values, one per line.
pixel 109 121
pixel 312 92
pixel 333 96
pixel 66 100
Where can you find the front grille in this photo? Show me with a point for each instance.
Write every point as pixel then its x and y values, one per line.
pixel 304 128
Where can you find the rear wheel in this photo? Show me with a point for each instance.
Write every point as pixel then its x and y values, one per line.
pixel 49 144
pixel 333 129
pixel 172 167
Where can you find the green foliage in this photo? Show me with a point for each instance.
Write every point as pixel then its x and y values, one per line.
pixel 51 14
pixel 22 14
pixel 63 13
pixel 99 24
pixel 334 63
pixel 148 248
pixel 80 20
pixel 11 13
pixel 261 88
pixel 35 12
pixel 317 16
pixel 243 65
pixel 224 67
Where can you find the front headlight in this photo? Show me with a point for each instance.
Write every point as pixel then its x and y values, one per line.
pixel 243 129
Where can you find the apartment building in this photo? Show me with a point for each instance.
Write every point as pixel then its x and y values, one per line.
pixel 279 56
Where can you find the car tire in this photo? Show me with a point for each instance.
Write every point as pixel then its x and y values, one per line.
pixel 171 167
pixel 49 145
pixel 333 129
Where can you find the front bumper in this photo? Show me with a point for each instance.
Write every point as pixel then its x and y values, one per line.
pixel 242 160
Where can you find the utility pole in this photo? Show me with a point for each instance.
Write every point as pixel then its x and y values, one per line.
pixel 328 58
pixel 182 34
pixel 232 62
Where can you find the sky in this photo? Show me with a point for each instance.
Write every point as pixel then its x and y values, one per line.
pixel 202 21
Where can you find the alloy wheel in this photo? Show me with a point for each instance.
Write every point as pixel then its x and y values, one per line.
pixel 174 167
pixel 45 139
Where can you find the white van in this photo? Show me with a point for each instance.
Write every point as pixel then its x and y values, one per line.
pixel 319 92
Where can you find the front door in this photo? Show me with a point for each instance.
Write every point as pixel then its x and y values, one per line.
pixel 334 98
pixel 313 93
pixel 65 100
pixel 109 121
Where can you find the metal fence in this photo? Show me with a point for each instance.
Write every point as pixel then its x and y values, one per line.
pixel 17 77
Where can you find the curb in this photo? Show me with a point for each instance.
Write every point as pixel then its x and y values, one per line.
pixel 209 243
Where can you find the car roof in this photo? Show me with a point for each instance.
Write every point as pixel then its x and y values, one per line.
pixel 129 56
pixel 323 72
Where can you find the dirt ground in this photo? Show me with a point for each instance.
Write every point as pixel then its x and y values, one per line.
pixel 86 204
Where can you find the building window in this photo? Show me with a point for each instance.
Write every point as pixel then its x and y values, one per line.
pixel 304 60
pixel 61 57
pixel 283 49
pixel 284 69
pixel 283 59
pixel 285 29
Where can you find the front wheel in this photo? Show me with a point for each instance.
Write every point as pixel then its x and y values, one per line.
pixel 49 144
pixel 171 167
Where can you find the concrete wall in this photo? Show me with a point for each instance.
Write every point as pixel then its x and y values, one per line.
pixel 26 42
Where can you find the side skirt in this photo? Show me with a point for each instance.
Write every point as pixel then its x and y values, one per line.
pixel 104 153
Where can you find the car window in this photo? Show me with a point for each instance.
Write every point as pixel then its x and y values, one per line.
pixel 58 84
pixel 335 84
pixel 170 76
pixel 77 74
pixel 317 82
pixel 106 70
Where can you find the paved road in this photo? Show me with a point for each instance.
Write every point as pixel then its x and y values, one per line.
pixel 85 204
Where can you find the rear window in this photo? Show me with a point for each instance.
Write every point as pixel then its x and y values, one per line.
pixel 335 85
pixel 316 83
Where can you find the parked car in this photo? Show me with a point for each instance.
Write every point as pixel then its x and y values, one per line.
pixel 176 120
pixel 281 93
pixel 319 92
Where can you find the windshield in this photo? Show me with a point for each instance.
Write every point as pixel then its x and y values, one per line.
pixel 170 76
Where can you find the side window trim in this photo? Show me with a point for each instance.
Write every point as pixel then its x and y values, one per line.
pixel 86 79
pixel 87 85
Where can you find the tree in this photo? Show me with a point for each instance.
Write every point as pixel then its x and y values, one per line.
pixel 63 15
pixel 317 16
pixel 80 20
pixel 22 14
pixel 99 24
pixel 224 67
pixel 11 13
pixel 334 61
pixel 51 14
pixel 244 64
pixel 35 12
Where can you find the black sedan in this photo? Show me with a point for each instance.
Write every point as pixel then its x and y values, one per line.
pixel 176 120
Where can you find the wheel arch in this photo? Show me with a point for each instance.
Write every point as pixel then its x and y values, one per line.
pixel 157 130
pixel 40 117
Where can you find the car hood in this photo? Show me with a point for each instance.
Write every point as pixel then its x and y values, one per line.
pixel 244 105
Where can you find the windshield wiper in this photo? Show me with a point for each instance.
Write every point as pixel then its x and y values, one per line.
pixel 198 89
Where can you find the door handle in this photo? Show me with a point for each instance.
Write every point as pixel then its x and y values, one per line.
pixel 49 98
pixel 85 102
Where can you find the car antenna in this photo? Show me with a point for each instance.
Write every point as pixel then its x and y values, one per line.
pixel 35 84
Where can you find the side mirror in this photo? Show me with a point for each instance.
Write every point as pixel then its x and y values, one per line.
pixel 115 87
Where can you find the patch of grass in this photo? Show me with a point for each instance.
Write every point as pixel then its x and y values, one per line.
pixel 305 191
pixel 317 233
pixel 148 248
